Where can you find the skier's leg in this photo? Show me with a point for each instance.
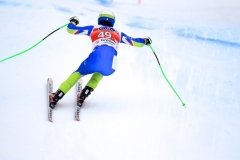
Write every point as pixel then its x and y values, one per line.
pixel 90 86
pixel 95 79
pixel 71 80
pixel 64 88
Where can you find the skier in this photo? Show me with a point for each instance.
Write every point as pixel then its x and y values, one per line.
pixel 102 60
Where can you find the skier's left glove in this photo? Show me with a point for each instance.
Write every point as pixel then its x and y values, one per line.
pixel 74 20
pixel 148 41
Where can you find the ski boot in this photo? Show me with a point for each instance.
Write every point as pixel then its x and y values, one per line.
pixel 55 97
pixel 84 94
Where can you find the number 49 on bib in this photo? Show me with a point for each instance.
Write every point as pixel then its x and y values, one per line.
pixel 104 35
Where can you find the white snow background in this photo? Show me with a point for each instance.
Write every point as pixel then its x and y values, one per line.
pixel 133 114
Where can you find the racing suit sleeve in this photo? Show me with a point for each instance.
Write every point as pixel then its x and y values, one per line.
pixel 73 29
pixel 137 42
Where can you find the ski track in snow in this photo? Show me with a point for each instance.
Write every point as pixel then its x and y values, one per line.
pixel 133 114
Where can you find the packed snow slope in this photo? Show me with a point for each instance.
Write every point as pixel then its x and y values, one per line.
pixel 133 114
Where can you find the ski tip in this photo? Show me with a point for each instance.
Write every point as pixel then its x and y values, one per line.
pixel 77 118
pixel 80 80
pixel 50 120
pixel 49 80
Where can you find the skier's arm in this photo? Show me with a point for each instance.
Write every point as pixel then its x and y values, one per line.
pixel 73 29
pixel 137 42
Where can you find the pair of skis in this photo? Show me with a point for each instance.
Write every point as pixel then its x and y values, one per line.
pixel 78 92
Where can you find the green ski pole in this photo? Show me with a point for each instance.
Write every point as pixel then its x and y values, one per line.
pixel 166 77
pixel 33 45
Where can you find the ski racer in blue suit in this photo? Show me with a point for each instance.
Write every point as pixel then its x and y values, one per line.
pixel 102 61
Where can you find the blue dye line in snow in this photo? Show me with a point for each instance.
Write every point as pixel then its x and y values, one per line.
pixel 104 2
pixel 141 25
pixel 144 23
pixel 211 40
pixel 218 41
pixel 5 3
pixel 62 9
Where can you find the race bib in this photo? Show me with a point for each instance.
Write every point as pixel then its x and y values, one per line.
pixel 105 36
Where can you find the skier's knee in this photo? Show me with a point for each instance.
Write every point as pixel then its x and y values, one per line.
pixel 95 79
pixel 72 79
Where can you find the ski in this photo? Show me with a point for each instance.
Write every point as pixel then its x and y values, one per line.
pixel 79 90
pixel 49 91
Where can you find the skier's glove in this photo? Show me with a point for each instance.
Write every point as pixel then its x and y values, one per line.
pixel 148 41
pixel 74 20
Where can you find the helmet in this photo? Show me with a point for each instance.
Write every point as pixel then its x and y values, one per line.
pixel 106 18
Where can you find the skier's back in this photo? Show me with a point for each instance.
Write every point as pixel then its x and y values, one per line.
pixel 102 61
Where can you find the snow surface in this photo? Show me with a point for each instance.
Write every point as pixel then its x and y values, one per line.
pixel 133 114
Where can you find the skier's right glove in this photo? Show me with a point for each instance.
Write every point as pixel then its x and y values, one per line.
pixel 148 41
pixel 74 20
